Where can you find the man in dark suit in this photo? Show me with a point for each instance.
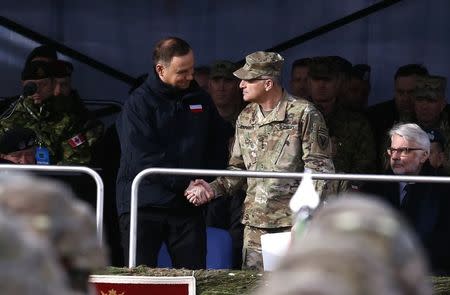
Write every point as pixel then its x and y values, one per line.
pixel 426 206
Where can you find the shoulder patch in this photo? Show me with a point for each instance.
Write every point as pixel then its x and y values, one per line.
pixel 323 140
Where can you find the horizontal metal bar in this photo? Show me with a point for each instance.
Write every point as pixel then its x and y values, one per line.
pixel 82 169
pixel 252 174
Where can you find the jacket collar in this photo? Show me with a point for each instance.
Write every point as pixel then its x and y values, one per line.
pixel 162 89
pixel 278 114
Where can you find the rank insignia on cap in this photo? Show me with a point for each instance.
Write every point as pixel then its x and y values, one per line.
pixel 77 140
pixel 196 108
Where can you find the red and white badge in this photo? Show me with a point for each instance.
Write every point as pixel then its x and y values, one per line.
pixel 196 108
pixel 77 140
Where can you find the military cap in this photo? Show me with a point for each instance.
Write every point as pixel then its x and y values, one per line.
pixel 436 136
pixel 52 211
pixel 379 230
pixel 223 69
pixel 260 64
pixel 27 264
pixel 17 139
pixel 361 71
pixel 37 70
pixel 432 87
pixel 45 51
pixel 62 68
pixel 343 65
pixel 323 67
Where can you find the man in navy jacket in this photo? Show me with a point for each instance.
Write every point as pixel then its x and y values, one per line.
pixel 169 121
pixel 426 206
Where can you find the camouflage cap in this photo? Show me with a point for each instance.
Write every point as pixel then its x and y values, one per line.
pixel 17 139
pixel 323 67
pixel 27 264
pixel 432 87
pixel 51 211
pixel 223 69
pixel 37 70
pixel 330 266
pixel 260 64
pixel 379 230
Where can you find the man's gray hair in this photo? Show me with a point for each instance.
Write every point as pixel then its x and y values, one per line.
pixel 412 132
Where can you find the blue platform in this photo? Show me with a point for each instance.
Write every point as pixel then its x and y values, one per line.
pixel 219 250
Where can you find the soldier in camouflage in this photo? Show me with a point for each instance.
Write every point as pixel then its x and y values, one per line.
pixel 69 101
pixel 27 265
pixel 353 146
pixel 275 132
pixel 353 245
pixel 381 232
pixel 431 111
pixel 60 133
pixel 51 211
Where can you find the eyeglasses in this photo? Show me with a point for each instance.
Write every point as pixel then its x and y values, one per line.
pixel 403 151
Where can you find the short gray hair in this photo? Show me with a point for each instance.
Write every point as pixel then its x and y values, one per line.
pixel 412 132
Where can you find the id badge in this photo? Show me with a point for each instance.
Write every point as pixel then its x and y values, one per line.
pixel 42 156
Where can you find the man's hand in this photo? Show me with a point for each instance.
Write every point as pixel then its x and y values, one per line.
pixel 199 192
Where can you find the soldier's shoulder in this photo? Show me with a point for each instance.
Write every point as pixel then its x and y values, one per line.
pixel 248 111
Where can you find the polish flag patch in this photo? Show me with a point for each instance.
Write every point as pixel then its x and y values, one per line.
pixel 196 108
pixel 77 140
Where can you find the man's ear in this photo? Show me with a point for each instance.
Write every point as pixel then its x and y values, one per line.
pixel 424 156
pixel 268 84
pixel 159 70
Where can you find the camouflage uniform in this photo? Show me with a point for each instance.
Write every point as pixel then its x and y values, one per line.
pixel 53 129
pixel 353 145
pixel 433 87
pixel 291 138
pixel 67 224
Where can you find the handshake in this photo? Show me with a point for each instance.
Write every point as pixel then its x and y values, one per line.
pixel 199 192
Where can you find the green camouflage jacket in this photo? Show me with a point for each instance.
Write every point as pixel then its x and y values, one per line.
pixel 353 144
pixel 60 132
pixel 292 137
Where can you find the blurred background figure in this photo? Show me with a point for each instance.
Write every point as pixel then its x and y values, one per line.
pixel 68 225
pixel 226 213
pixel 299 78
pixel 437 155
pixel 357 96
pixel 27 264
pixel 353 245
pixel 201 76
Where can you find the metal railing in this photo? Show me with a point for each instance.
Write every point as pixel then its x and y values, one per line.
pixel 254 174
pixel 86 170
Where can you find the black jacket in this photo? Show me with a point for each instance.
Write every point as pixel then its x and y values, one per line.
pixel 427 209
pixel 161 126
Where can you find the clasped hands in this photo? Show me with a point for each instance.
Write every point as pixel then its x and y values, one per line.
pixel 199 192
